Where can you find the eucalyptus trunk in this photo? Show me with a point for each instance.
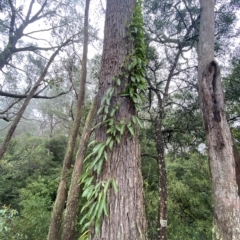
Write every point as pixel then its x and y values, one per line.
pixel 223 156
pixel 70 217
pixel 126 220
pixel 59 204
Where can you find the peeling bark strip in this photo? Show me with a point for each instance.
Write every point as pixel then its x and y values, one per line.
pixel 212 102
pixel 237 165
pixel 224 158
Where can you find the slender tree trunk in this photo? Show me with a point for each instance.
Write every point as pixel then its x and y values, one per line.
pixel 17 119
pixel 223 157
pixel 74 190
pixel 162 185
pixel 126 220
pixel 58 208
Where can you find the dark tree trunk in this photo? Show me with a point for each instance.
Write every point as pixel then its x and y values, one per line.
pixel 126 220
pixel 58 208
pixel 162 185
pixel 223 157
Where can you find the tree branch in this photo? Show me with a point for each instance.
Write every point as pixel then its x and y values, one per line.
pixel 21 96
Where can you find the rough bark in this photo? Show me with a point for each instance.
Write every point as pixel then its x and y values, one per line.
pixel 69 222
pixel 126 220
pixel 17 119
pixel 58 208
pixel 223 156
pixel 162 185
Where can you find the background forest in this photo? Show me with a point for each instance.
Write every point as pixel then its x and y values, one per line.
pixel 42 63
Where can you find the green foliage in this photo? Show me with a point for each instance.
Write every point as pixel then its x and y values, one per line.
pixel 28 181
pixel 27 156
pixel 190 205
pixel 35 201
pixel 8 228
pixel 190 213
pixel 57 146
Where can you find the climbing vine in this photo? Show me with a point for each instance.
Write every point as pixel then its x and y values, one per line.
pixel 133 69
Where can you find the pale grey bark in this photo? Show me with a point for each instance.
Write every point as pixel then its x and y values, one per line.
pixel 70 217
pixel 223 157
pixel 58 208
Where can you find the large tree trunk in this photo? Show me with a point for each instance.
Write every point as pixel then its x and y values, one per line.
pixel 58 208
pixel 69 222
pixel 126 220
pixel 223 157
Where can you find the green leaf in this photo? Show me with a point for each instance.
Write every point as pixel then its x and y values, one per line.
pixel 103 100
pixel 105 156
pixel 118 139
pixel 115 188
pixel 131 130
pixel 111 144
pixel 118 81
pixel 110 130
pixel 87 205
pixel 88 191
pixel 105 208
pixel 112 112
pixel 89 181
pixel 91 143
pixel 88 156
pixel 108 140
pixel 96 209
pixel 97 226
pixel 86 225
pixel 101 207
pixel 106 109
pixel 97 147
pixel 104 117
pixel 108 101
pixel 122 129
pixel 84 236
pixel 99 166
pixel 134 119
pixel 118 127
pixel 106 186
pixel 111 92
pixel 108 92
pixel 139 122
pixel 100 150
